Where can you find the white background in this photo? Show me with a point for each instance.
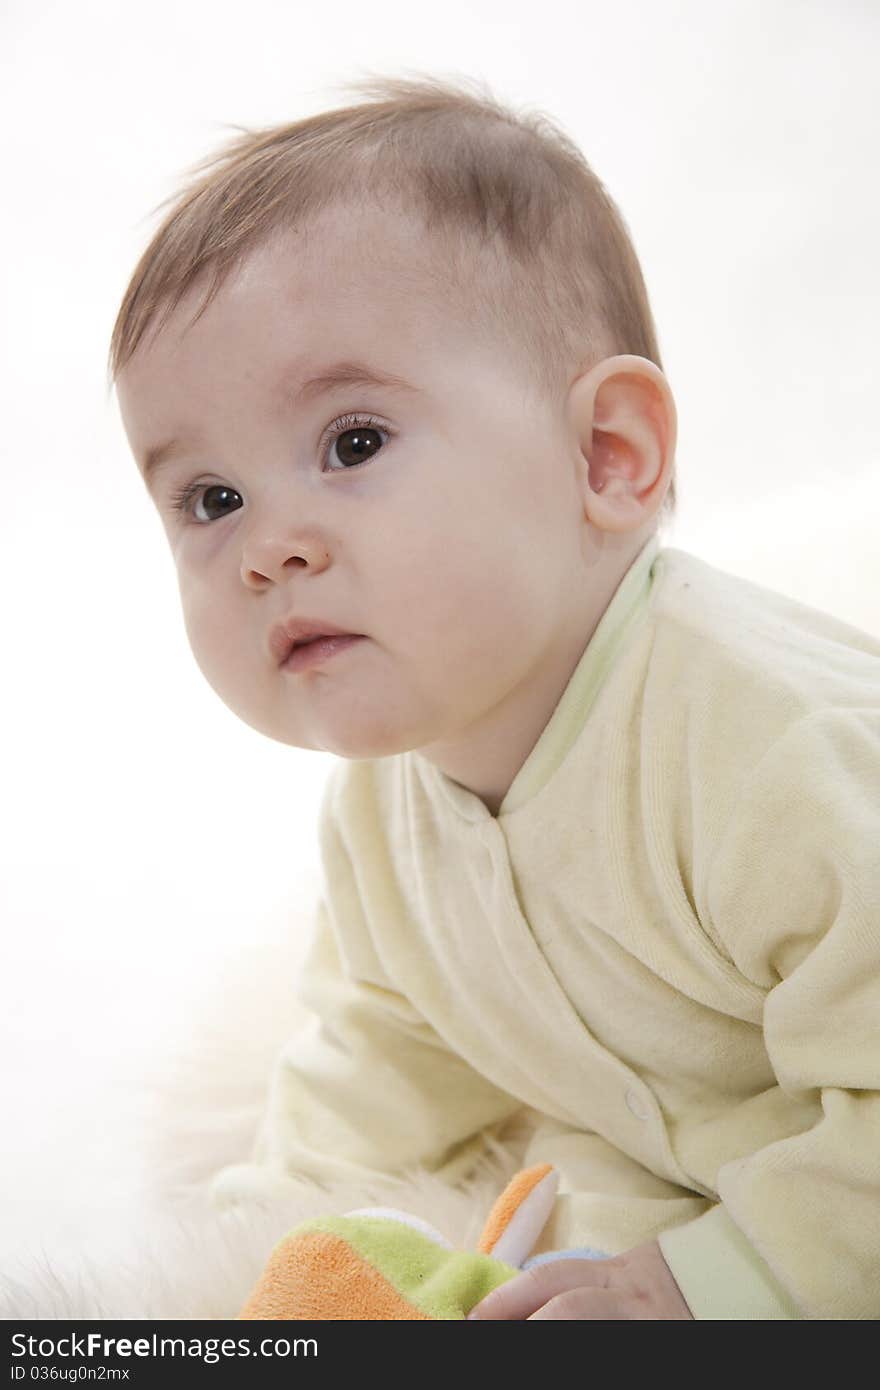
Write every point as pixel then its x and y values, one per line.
pixel 147 834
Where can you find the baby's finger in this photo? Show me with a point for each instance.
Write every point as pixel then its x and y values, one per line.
pixel 583 1304
pixel 520 1297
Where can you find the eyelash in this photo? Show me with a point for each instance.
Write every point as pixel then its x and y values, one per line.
pixel 181 501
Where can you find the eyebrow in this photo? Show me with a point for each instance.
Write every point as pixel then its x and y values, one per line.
pixel 338 374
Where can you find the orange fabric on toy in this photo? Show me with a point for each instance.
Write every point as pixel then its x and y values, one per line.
pixel 317 1275
pixel 508 1204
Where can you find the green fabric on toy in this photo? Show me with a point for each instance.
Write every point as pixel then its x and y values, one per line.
pixel 381 1264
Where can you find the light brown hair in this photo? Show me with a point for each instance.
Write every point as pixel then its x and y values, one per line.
pixel 524 239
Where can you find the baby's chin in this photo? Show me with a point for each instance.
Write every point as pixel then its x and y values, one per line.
pixel 353 734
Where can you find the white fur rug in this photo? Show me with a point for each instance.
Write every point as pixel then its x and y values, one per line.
pixel 157 1249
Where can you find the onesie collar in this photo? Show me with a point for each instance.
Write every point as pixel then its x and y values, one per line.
pixel 568 718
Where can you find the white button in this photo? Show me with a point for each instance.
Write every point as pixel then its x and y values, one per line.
pixel 637 1105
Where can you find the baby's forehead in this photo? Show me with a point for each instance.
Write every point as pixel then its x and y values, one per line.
pixel 349 299
pixel 345 281
pixel 294 308
pixel 333 250
pixel 303 283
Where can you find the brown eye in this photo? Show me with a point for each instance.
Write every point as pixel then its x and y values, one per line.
pixel 217 501
pixel 186 501
pixel 355 445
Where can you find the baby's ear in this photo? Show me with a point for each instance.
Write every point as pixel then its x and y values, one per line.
pixel 520 1214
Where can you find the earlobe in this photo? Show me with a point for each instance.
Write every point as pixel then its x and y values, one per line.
pixel 614 507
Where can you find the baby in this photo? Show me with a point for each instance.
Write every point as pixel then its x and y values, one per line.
pixel 601 849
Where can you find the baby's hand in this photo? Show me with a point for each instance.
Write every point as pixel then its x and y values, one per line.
pixel 637 1284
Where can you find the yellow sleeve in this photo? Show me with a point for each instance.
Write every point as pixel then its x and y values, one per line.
pixel 794 896
pixel 365 1088
pixel 607 1201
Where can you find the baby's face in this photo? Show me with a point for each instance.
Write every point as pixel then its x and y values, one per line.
pixel 440 520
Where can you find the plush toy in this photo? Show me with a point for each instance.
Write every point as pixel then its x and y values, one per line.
pixel 381 1264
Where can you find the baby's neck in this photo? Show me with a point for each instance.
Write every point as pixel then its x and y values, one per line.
pixel 487 756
